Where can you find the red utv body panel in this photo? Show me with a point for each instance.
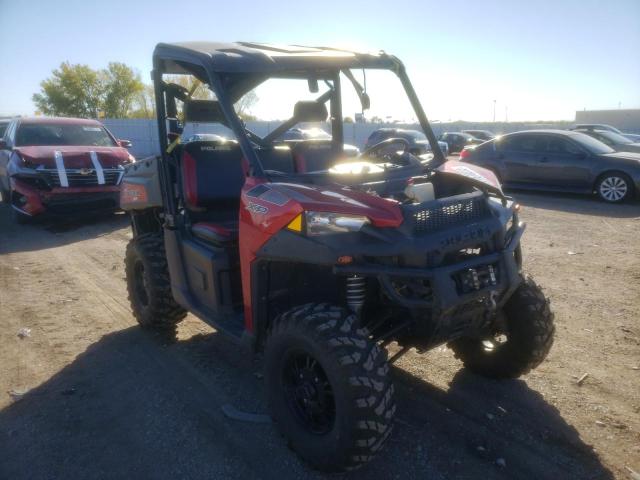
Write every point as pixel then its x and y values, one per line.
pixel 264 214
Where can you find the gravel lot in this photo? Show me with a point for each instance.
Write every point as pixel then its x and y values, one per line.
pixel 89 395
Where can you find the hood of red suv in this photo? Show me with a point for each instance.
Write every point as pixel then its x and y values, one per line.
pixel 73 156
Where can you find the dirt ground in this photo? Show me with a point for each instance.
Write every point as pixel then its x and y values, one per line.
pixel 89 395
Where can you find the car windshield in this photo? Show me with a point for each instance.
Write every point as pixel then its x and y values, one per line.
pixel 63 134
pixel 591 144
pixel 416 135
pixel 205 137
pixel 599 127
pixel 615 138
pixel 3 128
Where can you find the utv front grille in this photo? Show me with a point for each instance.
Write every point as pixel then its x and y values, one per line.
pixel 82 177
pixel 450 213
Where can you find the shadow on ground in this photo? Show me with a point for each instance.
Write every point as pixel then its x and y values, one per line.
pixel 139 405
pixel 578 204
pixel 55 231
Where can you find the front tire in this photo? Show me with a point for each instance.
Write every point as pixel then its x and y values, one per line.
pixel 328 387
pixel 148 283
pixel 527 336
pixel 614 187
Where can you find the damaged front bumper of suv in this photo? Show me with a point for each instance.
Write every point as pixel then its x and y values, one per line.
pixel 39 190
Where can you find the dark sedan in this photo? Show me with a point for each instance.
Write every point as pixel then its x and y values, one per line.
pixel 559 160
pixel 456 141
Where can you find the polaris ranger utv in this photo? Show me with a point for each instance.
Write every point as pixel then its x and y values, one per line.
pixel 316 260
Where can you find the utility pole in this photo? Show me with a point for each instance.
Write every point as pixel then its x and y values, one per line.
pixel 506 114
pixel 494 111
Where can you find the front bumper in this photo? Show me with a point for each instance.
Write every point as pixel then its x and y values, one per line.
pixel 446 297
pixel 33 201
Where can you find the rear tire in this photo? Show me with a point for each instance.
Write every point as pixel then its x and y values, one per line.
pixel 529 336
pixel 328 387
pixel 148 283
pixel 614 187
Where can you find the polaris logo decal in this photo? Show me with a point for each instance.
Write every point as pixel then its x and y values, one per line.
pixel 86 171
pixel 256 208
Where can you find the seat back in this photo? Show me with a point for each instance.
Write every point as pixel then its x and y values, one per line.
pixel 313 155
pixel 212 175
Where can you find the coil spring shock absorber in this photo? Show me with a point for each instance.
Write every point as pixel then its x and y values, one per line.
pixel 356 289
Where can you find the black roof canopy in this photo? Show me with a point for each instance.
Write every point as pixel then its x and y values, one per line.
pixel 244 57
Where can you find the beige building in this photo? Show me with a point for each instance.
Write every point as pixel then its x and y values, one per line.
pixel 627 120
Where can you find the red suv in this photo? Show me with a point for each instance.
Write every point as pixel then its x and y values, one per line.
pixel 60 165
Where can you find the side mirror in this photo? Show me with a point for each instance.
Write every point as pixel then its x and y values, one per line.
pixel 124 143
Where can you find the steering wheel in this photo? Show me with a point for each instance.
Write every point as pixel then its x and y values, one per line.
pixel 405 156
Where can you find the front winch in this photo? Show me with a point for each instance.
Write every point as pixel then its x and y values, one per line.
pixel 474 279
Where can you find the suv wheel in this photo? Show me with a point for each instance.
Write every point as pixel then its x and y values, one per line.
pixel 328 387
pixel 520 344
pixel 148 283
pixel 614 187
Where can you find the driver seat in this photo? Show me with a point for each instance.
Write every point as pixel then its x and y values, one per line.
pixel 212 179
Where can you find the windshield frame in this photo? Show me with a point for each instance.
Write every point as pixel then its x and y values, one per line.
pixel 334 96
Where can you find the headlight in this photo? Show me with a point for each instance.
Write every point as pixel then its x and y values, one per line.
pixel 322 223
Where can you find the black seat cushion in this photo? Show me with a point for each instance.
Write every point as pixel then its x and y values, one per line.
pixel 212 175
pixel 313 155
pixel 216 232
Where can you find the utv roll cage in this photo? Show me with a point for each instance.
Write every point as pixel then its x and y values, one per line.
pixel 233 69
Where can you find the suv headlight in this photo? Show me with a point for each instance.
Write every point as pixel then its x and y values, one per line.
pixel 322 223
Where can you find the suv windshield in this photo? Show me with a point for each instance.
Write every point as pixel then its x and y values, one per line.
pixel 63 134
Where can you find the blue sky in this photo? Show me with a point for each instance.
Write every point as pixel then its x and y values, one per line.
pixel 539 59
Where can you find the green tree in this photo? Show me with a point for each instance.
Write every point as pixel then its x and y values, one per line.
pixel 121 86
pixel 243 106
pixel 144 103
pixel 72 90
pixel 80 91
